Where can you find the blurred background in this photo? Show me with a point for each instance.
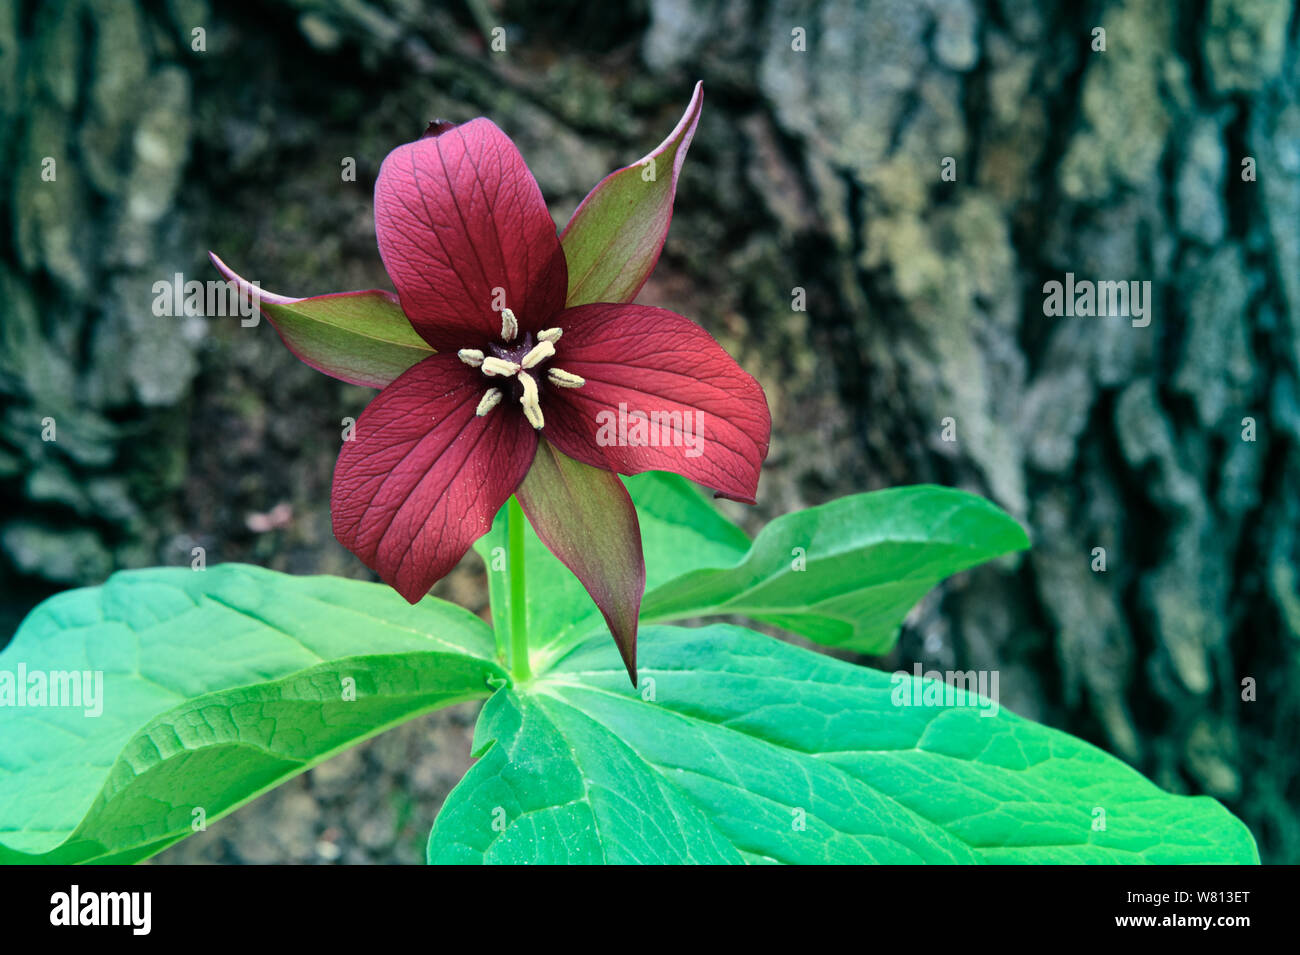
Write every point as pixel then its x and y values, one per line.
pixel 916 169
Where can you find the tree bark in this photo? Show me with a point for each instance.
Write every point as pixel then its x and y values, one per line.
pixel 915 172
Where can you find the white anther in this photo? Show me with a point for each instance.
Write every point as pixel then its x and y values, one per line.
pixel 550 334
pixel 538 353
pixel 499 367
pixel 509 327
pixel 528 401
pixel 491 398
pixel 558 376
pixel 470 356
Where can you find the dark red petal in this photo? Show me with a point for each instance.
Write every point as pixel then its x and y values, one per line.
pixel 457 216
pixel 423 475
pixel 586 519
pixel 657 363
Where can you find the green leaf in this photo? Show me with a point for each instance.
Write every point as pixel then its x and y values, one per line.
pixel 682 527
pixel 680 531
pixel 846 573
pixel 567 790
pixel 614 238
pixel 867 560
pixel 744 748
pixel 363 338
pixel 217 686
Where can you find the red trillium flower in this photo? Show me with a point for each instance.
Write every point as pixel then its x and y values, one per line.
pixel 517 383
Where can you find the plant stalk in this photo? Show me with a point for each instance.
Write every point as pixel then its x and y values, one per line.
pixel 518 593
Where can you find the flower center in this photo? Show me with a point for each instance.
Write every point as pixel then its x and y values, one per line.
pixel 519 361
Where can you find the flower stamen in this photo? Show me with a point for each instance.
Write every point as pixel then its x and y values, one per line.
pixel 564 379
pixel 539 353
pixel 528 401
pixel 491 398
pixel 517 361
pixel 499 367
pixel 509 327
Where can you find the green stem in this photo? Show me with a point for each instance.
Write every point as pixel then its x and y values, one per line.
pixel 518 606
